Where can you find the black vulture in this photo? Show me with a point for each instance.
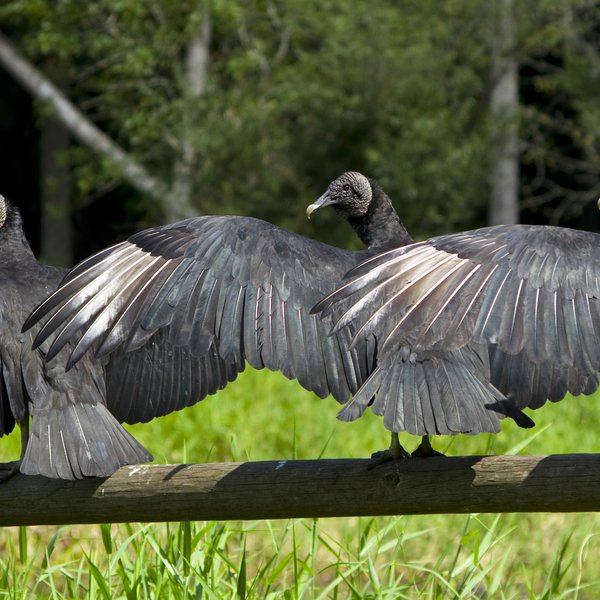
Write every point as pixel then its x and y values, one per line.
pixel 243 289
pixel 529 294
pixel 72 434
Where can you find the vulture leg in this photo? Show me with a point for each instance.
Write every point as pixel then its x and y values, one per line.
pixel 7 470
pixel 425 450
pixel 394 452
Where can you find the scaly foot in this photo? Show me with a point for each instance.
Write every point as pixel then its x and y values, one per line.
pixel 394 452
pixel 425 450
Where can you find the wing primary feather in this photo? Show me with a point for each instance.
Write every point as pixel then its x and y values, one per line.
pixel 90 297
pixel 488 310
pixel 450 297
pixel 104 326
pixel 70 282
pixel 414 307
pixel 380 287
pixel 373 317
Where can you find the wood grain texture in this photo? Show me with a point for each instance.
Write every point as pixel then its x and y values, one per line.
pixel 310 488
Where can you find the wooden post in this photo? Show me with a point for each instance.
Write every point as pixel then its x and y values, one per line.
pixel 310 488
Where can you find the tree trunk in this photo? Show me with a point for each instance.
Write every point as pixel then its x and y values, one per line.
pixel 77 123
pixel 56 244
pixel 504 207
pixel 196 67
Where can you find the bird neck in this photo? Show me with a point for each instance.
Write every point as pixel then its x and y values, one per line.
pixel 381 228
pixel 12 239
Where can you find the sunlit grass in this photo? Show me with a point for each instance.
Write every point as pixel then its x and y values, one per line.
pixel 262 416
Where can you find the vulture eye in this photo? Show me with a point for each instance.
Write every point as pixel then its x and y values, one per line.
pixel 346 187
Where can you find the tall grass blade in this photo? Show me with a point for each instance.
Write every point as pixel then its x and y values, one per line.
pixel 527 441
pixel 241 581
pixel 23 544
pixel 50 549
pixel 186 529
pixel 97 576
pixel 106 537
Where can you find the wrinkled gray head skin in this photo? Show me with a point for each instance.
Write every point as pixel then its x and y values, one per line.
pixel 350 193
pixel 3 211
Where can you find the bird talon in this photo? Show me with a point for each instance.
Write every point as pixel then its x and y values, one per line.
pixel 425 450
pixel 418 453
pixel 383 456
pixel 394 452
pixel 380 454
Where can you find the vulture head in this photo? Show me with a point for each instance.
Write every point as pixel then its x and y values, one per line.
pixel 10 218
pixel 350 193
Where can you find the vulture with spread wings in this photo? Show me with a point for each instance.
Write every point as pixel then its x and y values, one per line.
pixel 178 305
pixel 174 313
pixel 529 294
pixel 73 433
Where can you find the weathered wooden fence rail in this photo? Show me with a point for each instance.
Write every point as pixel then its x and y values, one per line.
pixel 309 488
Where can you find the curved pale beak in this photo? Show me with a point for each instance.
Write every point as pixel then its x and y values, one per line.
pixel 324 200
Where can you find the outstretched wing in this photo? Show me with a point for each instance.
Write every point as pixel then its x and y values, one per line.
pixel 531 292
pixel 72 433
pixel 185 306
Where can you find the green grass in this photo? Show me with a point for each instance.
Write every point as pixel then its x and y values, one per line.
pixel 263 416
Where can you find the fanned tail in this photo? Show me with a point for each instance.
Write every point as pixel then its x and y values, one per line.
pixel 79 440
pixel 430 396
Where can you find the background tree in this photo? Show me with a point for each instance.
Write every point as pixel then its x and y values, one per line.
pixel 504 105
pixel 252 107
pixel 560 124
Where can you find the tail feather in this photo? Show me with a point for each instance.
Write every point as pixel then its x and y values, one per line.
pixel 79 440
pixel 357 406
pixel 430 396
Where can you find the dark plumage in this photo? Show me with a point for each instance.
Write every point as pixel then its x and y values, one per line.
pixel 72 432
pixel 238 289
pixel 233 287
pixel 528 295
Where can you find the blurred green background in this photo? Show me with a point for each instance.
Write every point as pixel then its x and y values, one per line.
pixel 252 107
